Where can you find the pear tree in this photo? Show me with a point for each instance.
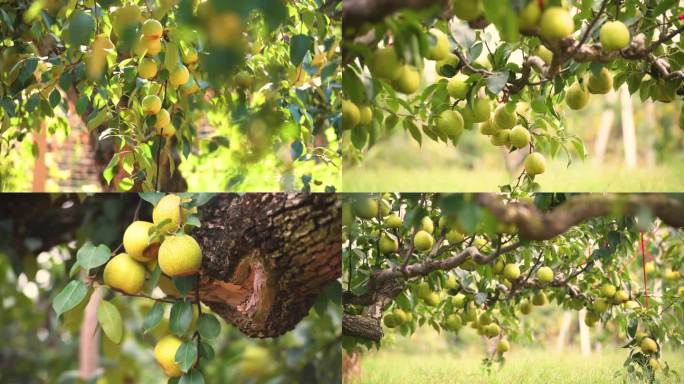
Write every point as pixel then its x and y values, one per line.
pixel 166 90
pixel 508 70
pixel 514 254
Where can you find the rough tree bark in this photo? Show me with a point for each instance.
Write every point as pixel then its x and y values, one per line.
pixel 266 257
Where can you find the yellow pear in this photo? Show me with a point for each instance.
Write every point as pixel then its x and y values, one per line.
pixel 152 29
pixel 577 96
pixel 125 274
pixel 423 241
pixel 136 241
pixel 163 119
pixel 165 354
pixel 351 115
pixel 408 81
pixel 440 49
pixel 151 104
pixel 179 75
pixel 180 255
pixel 168 207
pixel 147 68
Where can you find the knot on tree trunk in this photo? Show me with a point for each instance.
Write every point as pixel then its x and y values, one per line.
pixel 266 257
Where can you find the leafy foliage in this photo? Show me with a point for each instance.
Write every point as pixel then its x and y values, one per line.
pixel 246 84
pixel 501 70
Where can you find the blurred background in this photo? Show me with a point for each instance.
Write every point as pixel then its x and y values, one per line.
pixel 630 146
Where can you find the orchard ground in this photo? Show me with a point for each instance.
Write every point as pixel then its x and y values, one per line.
pixel 400 164
pixel 428 357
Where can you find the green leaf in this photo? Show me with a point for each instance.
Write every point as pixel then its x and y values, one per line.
pixel 108 172
pixel 55 98
pixel 151 197
pixel 70 296
pixel 80 28
pixel 181 317
pixel 192 377
pixel 299 46
pixel 186 355
pixel 185 283
pixel 110 321
pixel 153 317
pixel 208 326
pixel 206 351
pixel 90 256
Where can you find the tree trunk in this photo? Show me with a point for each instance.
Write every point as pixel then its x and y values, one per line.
pixel 89 340
pixel 40 169
pixel 266 257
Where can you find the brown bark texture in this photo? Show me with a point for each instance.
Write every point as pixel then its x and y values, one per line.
pixel 266 257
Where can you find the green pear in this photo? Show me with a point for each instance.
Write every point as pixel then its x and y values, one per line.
pixel 481 109
pixel 602 83
pixel 520 137
pixel 450 123
pixel 614 36
pixel 535 164
pixel 468 10
pixel 423 241
pixel 351 116
pixel 505 117
pixel 577 96
pixel 438 50
pixel 408 81
pixel 529 17
pixel 457 87
pixel 386 64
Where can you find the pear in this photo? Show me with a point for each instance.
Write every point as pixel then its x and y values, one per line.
pixel 520 137
pixel 608 290
pixel 545 274
pixel 614 36
pixel 147 68
pixel 505 118
pixel 151 104
pixel 458 300
pixel 408 81
pixel 481 109
pixel 602 83
pixel 423 241
pixel 366 115
pixel 457 87
pixel 125 274
pixel 545 54
pixel 165 355
pixel 648 346
pixel 365 208
pixel 488 127
pixel 468 10
pixel 351 115
pixel 511 271
pixel 386 64
pixel 180 255
pixel 393 221
pixel 440 49
pixel 535 164
pixel 152 29
pixel 556 23
pixel 450 123
pixel 525 307
pixel 168 208
pixel 453 322
pixel 388 244
pixel 577 96
pixel 539 299
pixel 503 346
pixel 529 17
pixel 136 241
pixel 501 137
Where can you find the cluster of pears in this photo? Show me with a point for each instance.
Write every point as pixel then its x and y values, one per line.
pixel 148 46
pixel 608 295
pixel 355 116
pixel 147 244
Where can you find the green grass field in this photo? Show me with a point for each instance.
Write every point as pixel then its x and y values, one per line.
pixel 526 366
pixel 401 166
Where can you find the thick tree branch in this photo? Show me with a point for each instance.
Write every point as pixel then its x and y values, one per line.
pixel 357 12
pixel 536 225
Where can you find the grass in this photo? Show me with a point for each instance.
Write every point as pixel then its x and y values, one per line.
pixel 523 366
pixel 401 166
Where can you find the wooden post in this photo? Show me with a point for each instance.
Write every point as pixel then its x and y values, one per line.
pixel 89 340
pixel 628 129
